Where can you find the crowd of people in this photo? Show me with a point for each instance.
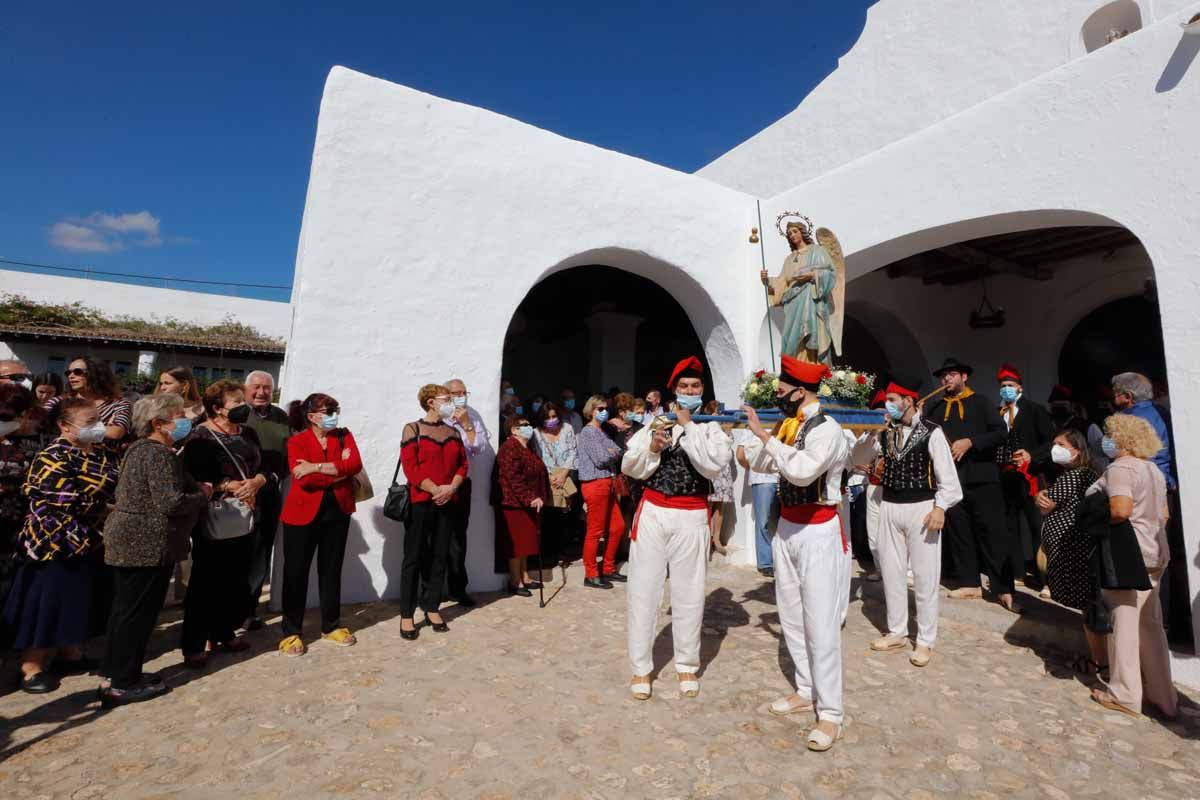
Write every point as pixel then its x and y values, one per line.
pixel 106 500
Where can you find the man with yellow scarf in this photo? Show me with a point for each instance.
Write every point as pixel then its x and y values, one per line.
pixel 976 527
pixel 810 453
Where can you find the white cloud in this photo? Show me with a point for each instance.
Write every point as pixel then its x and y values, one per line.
pixel 106 233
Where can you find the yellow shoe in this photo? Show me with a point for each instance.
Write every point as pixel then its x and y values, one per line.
pixel 292 646
pixel 339 636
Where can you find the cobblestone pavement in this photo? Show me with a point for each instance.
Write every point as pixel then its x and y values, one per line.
pixel 522 702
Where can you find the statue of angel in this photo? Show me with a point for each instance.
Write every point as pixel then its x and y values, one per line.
pixel 811 288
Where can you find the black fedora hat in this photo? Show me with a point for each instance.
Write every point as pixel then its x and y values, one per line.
pixel 953 365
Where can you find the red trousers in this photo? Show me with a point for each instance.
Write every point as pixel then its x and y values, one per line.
pixel 602 514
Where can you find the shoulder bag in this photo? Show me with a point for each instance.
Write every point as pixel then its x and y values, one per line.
pixel 363 490
pixel 228 517
pixel 398 504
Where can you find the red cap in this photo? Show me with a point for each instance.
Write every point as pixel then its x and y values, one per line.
pixel 1059 392
pixel 689 367
pixel 878 399
pixel 1008 373
pixel 895 388
pixel 801 373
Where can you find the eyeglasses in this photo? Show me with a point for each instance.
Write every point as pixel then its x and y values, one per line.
pixel 17 377
pixel 76 373
pixel 330 410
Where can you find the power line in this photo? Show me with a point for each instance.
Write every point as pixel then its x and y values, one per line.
pixel 89 271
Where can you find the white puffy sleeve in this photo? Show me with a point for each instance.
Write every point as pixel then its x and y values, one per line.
pixel 949 490
pixel 708 448
pixel 823 449
pixel 638 462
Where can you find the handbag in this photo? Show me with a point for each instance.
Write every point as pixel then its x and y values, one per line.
pixel 363 490
pixel 398 503
pixel 229 517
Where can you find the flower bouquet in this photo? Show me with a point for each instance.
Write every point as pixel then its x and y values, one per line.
pixel 846 386
pixel 759 389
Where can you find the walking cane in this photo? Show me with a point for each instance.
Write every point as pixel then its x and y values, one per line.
pixel 541 565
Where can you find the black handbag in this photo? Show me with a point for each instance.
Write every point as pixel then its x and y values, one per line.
pixel 398 505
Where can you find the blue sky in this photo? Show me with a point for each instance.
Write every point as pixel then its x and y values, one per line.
pixel 175 139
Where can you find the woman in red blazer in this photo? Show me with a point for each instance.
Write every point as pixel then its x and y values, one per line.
pixel 323 459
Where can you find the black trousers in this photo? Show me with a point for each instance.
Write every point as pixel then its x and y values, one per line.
pixel 138 596
pixel 1174 594
pixel 324 537
pixel 456 566
pixel 216 598
pixel 859 545
pixel 270 504
pixel 978 536
pixel 1018 505
pixel 426 547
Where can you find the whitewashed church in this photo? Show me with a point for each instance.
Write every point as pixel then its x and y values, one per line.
pixel 1036 156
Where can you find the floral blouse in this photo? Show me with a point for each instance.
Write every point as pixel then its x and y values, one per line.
pixel 68 490
pixel 557 454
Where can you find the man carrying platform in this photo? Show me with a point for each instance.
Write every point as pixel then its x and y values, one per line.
pixel 810 453
pixel 676 464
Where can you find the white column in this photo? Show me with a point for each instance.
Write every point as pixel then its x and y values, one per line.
pixel 613 349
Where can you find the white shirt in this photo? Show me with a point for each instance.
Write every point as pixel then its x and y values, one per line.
pixel 945 473
pixel 706 445
pixel 743 437
pixel 1015 410
pixel 825 453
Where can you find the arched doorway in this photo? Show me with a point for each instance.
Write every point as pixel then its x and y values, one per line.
pixel 595 327
pixel 1100 345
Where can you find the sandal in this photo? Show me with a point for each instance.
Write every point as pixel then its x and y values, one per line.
pixel 1108 701
pixel 235 645
pixel 292 646
pixel 790 705
pixel 1086 666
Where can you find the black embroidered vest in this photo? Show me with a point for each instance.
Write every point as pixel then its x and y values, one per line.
pixel 1011 444
pixel 676 477
pixel 908 470
pixel 789 493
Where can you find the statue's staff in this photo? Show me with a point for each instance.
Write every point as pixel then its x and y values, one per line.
pixel 762 250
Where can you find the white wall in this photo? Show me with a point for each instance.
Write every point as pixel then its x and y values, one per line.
pixel 147 302
pixel 917 63
pixel 445 216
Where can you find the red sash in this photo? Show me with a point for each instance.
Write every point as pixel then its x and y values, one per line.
pixel 685 502
pixel 814 514
pixel 1030 481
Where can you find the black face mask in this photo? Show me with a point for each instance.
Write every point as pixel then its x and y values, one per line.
pixel 789 405
pixel 239 415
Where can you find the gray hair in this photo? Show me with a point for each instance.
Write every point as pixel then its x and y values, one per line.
pixel 264 374
pixel 1134 384
pixel 150 409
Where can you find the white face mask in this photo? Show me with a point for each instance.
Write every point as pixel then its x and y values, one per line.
pixel 446 410
pixel 92 434
pixel 1061 455
pixel 8 427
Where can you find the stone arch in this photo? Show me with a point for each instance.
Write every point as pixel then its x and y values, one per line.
pixel 901 348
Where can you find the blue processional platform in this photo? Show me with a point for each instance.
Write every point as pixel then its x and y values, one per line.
pixel 855 418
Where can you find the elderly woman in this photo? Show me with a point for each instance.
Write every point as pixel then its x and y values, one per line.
pixel 554 441
pixel 524 490
pixel 93 381
pixel 180 381
pixel 156 508
pixel 599 471
pixel 69 486
pixel 224 453
pixel 324 459
pixel 1137 494
pixel 435 465
pixel 1068 548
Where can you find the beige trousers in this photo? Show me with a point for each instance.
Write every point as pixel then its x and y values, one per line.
pixel 1137 650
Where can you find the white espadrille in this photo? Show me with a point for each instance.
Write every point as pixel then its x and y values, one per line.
pixel 639 687
pixel 689 684
pixel 889 642
pixel 820 741
pixel 790 705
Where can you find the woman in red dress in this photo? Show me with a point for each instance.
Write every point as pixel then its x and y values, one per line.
pixel 523 491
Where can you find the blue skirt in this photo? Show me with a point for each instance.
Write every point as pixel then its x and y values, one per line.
pixel 49 603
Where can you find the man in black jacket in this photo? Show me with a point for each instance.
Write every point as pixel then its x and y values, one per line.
pixel 976 526
pixel 1020 457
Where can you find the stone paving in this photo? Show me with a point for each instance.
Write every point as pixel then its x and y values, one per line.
pixel 522 702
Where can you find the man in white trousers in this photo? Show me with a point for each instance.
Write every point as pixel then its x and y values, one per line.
pixel 810 452
pixel 676 463
pixel 920 484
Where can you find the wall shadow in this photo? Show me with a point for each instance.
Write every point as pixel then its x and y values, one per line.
pixel 1179 63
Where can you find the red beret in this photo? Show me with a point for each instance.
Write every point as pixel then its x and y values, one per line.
pixel 895 388
pixel 801 373
pixel 1008 373
pixel 1059 392
pixel 878 399
pixel 689 367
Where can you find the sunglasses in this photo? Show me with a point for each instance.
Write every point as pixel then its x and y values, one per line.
pixel 76 373
pixel 17 377
pixel 330 410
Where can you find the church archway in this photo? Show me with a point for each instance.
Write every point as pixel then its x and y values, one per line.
pixel 1100 345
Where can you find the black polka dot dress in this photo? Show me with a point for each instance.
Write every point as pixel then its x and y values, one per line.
pixel 1068 549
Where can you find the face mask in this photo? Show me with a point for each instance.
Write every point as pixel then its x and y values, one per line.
pixel 1109 447
pixel 181 429
pixel 460 402
pixel 446 410
pixel 689 402
pixel 329 422
pixel 633 416
pixel 510 391
pixel 1061 455
pixel 239 415
pixel 602 416
pixel 1009 394
pixel 92 434
pixel 788 404
pixel 569 404
pixel 8 427
pixel 552 424
pixel 537 407
pixel 894 411
pixel 524 431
